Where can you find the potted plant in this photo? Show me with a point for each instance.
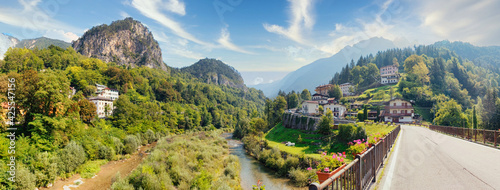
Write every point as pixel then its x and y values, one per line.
pixel 357 147
pixel 330 165
pixel 374 139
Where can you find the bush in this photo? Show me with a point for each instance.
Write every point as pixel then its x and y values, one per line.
pixel 105 152
pixel 118 145
pixel 300 177
pixel 131 143
pixel 150 136
pixel 24 178
pixel 72 156
pixel 90 168
pixel 346 132
pixel 360 133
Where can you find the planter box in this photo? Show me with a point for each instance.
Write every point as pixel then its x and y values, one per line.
pixel 324 176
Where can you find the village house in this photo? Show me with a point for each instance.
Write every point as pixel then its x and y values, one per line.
pixel 346 89
pixel 321 99
pixel 337 109
pixel 323 89
pixel 104 100
pixel 399 111
pixel 310 107
pixel 389 74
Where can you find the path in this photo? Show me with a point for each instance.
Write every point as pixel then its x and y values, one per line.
pixel 108 171
pixel 424 159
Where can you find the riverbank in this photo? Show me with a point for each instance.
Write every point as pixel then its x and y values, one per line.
pixel 252 171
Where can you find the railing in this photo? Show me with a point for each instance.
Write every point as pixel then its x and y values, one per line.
pixel 363 170
pixel 486 137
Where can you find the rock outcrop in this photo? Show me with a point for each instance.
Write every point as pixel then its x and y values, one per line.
pixel 297 121
pixel 214 71
pixel 125 42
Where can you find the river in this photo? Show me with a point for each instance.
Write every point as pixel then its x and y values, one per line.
pixel 252 171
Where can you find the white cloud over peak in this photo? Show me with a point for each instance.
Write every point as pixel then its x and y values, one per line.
pixel 225 41
pixel 35 20
pixel 301 19
pixel 153 10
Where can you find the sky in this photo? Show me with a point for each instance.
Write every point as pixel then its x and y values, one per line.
pixel 257 35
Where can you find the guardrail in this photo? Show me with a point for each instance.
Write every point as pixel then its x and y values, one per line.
pixel 486 137
pixel 363 170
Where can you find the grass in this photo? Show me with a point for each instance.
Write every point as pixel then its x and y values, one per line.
pixel 280 134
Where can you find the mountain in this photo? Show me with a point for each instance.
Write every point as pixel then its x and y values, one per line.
pixel 6 41
pixel 487 57
pixel 42 43
pixel 125 42
pixel 214 71
pixel 322 70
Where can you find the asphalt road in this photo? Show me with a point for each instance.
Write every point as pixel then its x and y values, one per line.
pixel 424 159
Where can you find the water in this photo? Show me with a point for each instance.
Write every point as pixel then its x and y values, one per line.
pixel 252 171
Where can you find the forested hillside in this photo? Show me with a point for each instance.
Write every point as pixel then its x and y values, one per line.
pixel 59 135
pixel 454 89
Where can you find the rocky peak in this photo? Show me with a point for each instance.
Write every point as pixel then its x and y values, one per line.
pixel 125 42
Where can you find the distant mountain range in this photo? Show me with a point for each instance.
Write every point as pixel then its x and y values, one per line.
pixel 322 70
pixel 7 41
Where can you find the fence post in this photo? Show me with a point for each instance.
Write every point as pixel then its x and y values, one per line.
pixel 358 176
pixel 475 135
pixel 374 157
pixel 484 136
pixel 495 138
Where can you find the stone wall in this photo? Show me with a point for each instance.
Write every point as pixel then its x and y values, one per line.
pixel 297 121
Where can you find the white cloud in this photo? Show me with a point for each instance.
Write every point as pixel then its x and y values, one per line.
pixel 153 10
pixel 34 20
pixel 471 21
pixel 258 80
pixel 61 34
pixel 177 46
pixel 124 14
pixel 301 18
pixel 225 41
pixel 176 6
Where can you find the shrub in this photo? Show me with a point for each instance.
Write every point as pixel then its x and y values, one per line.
pixel 105 152
pixel 360 133
pixel 346 132
pixel 150 136
pixel 300 177
pixel 131 142
pixel 71 157
pixel 24 178
pixel 90 168
pixel 118 145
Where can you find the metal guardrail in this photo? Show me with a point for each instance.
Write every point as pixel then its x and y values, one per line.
pixel 361 171
pixel 486 137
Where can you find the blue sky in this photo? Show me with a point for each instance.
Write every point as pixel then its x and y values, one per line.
pixel 258 35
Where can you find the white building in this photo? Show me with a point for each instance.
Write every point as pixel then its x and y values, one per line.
pixel 310 107
pixel 389 74
pixel 104 100
pixel 105 92
pixel 346 89
pixel 321 99
pixel 337 109
pixel 399 111
pixel 102 105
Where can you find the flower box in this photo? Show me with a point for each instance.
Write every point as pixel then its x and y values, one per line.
pixel 324 176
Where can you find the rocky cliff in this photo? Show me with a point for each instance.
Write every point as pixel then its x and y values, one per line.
pixel 42 43
pixel 125 42
pixel 297 121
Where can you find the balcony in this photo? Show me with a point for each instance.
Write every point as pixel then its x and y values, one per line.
pixel 398 107
pixel 398 114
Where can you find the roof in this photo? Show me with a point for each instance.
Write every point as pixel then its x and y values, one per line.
pixel 331 99
pixel 311 102
pixel 347 83
pixel 318 94
pixel 398 99
pixel 100 98
pixel 323 86
pixel 112 89
pixel 388 66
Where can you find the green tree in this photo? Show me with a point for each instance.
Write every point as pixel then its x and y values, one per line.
pixel 72 156
pixel 450 114
pixel 326 123
pixel 292 100
pixel 321 110
pixel 335 92
pixel 87 110
pixel 365 113
pixel 305 95
pixel 474 118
